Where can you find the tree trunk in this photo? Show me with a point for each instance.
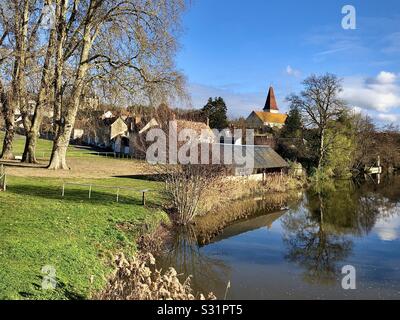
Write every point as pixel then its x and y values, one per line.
pixel 67 120
pixel 29 155
pixel 321 149
pixel 6 153
pixel 59 155
pixel 18 83
pixel 9 117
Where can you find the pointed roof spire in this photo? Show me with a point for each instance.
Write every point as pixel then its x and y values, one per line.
pixel 271 104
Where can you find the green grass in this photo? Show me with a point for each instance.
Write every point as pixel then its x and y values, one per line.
pixel 44 147
pixel 76 235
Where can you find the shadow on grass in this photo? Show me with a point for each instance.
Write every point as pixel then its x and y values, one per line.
pixel 19 164
pixel 74 194
pixel 62 291
pixel 143 177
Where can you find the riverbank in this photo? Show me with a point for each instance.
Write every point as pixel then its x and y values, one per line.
pixel 231 200
pixel 78 238
pixel 75 237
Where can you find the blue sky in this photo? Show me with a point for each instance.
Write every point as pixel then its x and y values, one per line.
pixel 236 49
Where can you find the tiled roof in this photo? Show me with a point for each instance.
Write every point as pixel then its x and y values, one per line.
pixel 271 104
pixel 196 126
pixel 180 124
pixel 271 117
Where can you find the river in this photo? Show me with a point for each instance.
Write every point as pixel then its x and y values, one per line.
pixel 299 252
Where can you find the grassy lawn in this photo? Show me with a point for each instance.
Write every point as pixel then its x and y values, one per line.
pixel 83 163
pixel 76 235
pixel 43 148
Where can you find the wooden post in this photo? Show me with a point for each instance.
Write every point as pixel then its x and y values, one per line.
pixel 118 195
pixel 3 182
pixel 90 191
pixel 63 190
pixel 144 198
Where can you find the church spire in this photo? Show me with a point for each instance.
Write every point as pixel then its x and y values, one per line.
pixel 270 104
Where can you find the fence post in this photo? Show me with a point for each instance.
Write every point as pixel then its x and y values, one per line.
pixel 144 198
pixel 63 190
pixel 118 195
pixel 3 179
pixel 90 191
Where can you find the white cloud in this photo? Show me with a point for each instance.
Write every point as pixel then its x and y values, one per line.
pixel 381 93
pixel 356 109
pixel 327 52
pixel 388 227
pixel 386 117
pixel 292 72
pixel 385 77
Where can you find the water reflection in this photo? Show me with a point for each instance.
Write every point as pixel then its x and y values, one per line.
pixel 209 274
pixel 317 235
pixel 300 252
pixel 313 245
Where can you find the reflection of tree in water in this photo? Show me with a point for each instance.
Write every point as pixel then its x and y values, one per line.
pixel 314 248
pixel 185 256
pixel 316 235
pixel 381 201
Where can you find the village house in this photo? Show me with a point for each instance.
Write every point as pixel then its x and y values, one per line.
pixel 106 131
pixel 269 117
pixel 203 130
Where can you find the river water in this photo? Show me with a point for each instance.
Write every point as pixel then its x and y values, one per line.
pixel 299 252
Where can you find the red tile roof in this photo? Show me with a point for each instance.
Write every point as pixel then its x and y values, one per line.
pixel 271 104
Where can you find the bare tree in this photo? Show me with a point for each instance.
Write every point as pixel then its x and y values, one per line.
pixel 19 21
pixel 185 185
pixel 125 48
pixel 14 22
pixel 320 104
pixel 42 100
pixel 129 44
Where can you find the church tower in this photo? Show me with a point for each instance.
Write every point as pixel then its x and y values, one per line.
pixel 271 105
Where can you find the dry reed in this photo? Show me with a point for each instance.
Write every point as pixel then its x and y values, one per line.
pixel 138 279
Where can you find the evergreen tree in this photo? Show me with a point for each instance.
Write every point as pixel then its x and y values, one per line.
pixel 294 124
pixel 215 110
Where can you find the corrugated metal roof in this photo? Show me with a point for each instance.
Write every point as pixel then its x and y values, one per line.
pixel 261 157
